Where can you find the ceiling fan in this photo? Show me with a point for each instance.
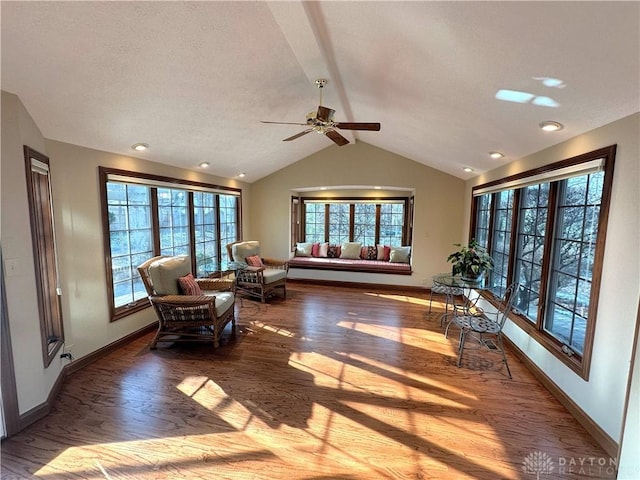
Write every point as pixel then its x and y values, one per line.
pixel 322 122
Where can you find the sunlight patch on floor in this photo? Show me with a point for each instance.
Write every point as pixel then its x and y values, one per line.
pixel 401 298
pixel 152 458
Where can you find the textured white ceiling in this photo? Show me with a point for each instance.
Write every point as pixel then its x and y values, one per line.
pixel 193 80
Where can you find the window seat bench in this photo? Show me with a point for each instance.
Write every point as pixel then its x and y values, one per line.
pixel 349 265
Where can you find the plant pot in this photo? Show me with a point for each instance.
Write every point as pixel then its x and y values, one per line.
pixel 472 277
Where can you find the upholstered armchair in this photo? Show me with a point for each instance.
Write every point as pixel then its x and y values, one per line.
pixel 256 276
pixel 188 309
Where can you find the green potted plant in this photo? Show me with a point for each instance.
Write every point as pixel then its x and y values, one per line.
pixel 470 261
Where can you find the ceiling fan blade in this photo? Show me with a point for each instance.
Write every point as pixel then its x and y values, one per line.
pixel 336 137
pixel 358 126
pixel 304 132
pixel 284 123
pixel 325 114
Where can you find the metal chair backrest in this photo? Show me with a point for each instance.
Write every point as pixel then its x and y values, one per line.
pixel 507 301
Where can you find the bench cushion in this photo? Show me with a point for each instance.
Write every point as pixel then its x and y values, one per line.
pixel 352 265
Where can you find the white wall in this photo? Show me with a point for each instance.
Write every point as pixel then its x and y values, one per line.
pixel 438 205
pixel 603 396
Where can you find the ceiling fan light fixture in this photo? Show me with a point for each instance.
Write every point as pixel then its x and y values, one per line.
pixel 140 147
pixel 551 126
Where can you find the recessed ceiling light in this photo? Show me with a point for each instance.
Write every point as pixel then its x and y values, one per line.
pixel 203 164
pixel 550 126
pixel 495 155
pixel 377 188
pixel 140 146
pixel 242 175
pixel 323 188
pixel 467 169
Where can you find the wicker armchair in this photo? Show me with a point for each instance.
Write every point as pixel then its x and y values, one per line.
pixel 257 281
pixel 186 317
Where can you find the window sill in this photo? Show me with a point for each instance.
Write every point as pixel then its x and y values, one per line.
pixel 125 311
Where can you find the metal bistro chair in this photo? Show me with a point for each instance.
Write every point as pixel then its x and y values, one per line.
pixel 448 292
pixel 482 326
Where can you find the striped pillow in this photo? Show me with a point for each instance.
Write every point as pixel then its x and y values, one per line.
pixel 189 285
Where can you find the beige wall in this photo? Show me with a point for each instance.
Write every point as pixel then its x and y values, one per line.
pixel 33 381
pixel 438 204
pixel 76 200
pixel 602 397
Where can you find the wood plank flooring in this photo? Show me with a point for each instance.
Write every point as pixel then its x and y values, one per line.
pixel 331 383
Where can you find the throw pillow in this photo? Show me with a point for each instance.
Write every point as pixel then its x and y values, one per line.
pixel 189 285
pixel 323 250
pixel 334 251
pixel 351 250
pixel 371 253
pixel 254 261
pixel 304 249
pixel 399 255
pixel 383 252
pixel 315 249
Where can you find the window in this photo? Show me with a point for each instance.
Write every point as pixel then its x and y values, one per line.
pixel 370 222
pixel 148 215
pixel 44 253
pixel 546 230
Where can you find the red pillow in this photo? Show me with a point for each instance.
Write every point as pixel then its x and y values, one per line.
pixel 254 261
pixel 315 250
pixel 189 285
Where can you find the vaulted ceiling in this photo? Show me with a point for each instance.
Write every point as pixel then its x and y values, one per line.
pixel 193 80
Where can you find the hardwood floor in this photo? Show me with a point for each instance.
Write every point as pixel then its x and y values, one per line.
pixel 331 383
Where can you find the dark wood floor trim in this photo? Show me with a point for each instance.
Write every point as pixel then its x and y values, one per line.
pixel 107 349
pixel 604 440
pixel 42 410
pixel 333 283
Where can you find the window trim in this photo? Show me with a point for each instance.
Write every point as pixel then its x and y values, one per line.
pixel 106 175
pixel 45 256
pixel 580 365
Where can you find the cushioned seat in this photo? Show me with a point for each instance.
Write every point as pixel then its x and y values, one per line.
pixel 201 316
pixel 256 276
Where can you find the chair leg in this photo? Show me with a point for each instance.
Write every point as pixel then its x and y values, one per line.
pixel 154 342
pixel 463 337
pixel 504 357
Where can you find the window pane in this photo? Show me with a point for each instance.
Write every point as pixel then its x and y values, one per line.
pixel 173 220
pixel 530 247
pixel 338 223
pixel 483 218
pixel 501 242
pixel 314 222
pixel 130 237
pixel 364 226
pixel 228 227
pixel 391 224
pixel 574 252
